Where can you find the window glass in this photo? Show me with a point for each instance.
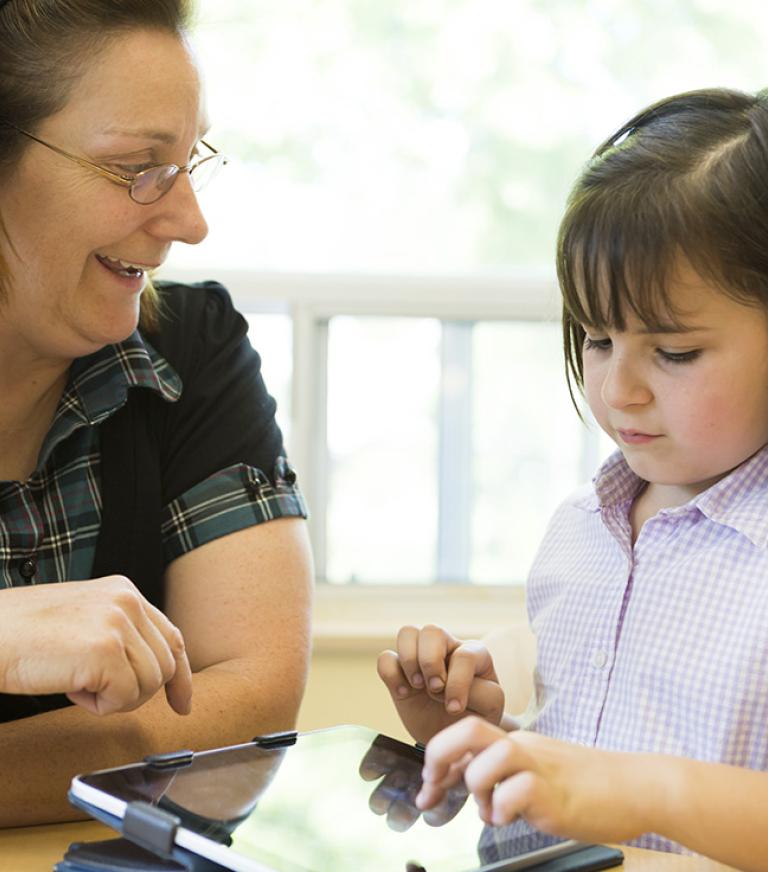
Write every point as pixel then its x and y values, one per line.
pixel 390 486
pixel 383 382
pixel 528 445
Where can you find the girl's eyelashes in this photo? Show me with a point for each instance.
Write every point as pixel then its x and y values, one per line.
pixel 679 356
pixel 596 344
pixel 667 356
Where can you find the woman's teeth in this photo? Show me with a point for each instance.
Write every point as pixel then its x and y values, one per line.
pixel 121 267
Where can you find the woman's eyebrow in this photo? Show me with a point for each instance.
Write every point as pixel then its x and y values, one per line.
pixel 158 135
pixel 164 136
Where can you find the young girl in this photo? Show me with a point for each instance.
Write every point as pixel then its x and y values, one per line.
pixel 649 595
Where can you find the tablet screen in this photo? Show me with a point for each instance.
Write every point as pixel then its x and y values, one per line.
pixel 338 800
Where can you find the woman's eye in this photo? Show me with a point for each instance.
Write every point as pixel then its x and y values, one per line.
pixel 679 356
pixel 132 169
pixel 596 344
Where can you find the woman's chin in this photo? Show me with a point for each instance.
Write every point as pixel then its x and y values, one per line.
pixel 111 327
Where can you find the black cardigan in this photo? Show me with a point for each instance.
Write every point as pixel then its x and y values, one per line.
pixel 153 451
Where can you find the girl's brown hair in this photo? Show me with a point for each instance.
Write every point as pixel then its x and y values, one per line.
pixel 686 178
pixel 45 46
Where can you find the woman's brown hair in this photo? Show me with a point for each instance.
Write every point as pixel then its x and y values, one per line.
pixel 45 47
pixel 686 178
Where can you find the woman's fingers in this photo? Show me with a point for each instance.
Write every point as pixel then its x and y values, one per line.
pixel 107 681
pixel 155 652
pixel 178 691
pixel 168 644
pixel 133 649
pixel 124 652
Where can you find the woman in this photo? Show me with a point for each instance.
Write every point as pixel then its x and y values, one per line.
pixel 138 467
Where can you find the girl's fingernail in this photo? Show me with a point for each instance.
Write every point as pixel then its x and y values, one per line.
pixel 402 691
pixel 418 680
pixel 454 706
pixel 435 683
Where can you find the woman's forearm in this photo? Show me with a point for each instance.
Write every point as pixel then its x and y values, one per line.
pixel 39 755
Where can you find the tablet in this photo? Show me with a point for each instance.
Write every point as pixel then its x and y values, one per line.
pixel 334 800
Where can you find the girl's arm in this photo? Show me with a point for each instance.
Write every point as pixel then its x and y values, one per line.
pixel 242 603
pixel 602 796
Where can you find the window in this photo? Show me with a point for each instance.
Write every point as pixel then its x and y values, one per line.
pixel 388 222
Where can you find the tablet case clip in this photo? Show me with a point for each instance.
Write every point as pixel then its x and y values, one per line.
pixel 276 740
pixel 151 828
pixel 174 760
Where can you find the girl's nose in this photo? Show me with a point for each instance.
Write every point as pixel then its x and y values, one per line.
pixel 623 385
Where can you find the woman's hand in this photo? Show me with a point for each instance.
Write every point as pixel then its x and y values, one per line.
pixel 435 680
pixel 99 642
pixel 557 787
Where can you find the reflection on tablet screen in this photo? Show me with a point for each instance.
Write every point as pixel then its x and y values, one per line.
pixel 339 800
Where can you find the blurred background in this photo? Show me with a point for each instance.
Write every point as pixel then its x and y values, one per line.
pixel 387 222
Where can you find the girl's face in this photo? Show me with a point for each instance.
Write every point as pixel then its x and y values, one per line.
pixel 684 406
pixel 138 104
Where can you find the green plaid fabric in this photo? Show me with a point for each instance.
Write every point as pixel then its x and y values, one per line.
pixel 49 524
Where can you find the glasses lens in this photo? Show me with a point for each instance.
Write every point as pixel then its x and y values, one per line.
pixel 150 185
pixel 202 173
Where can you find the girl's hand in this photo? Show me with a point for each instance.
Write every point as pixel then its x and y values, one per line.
pixel 559 788
pixel 99 642
pixel 435 680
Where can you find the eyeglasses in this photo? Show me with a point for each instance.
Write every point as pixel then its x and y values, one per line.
pixel 149 185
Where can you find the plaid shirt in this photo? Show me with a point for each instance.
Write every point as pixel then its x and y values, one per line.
pixel 49 524
pixel 660 646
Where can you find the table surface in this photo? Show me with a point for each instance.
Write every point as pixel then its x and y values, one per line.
pixel 35 849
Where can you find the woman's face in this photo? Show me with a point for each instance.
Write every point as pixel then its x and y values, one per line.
pixel 139 103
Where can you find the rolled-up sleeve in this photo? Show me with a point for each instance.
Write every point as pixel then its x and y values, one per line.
pixel 227 501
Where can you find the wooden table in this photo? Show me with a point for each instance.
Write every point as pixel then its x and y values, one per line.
pixel 37 849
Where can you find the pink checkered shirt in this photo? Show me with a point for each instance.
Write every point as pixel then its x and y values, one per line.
pixel 661 647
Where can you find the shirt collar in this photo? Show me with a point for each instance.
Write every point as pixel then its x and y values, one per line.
pixel 614 483
pixel 739 500
pixel 99 383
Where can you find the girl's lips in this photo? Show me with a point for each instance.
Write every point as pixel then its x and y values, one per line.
pixel 634 437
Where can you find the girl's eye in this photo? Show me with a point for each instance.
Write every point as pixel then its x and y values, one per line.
pixel 679 356
pixel 596 344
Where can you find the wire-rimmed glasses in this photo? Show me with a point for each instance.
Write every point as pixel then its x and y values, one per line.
pixel 149 185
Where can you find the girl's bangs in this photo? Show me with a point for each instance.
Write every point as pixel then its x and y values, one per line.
pixel 616 263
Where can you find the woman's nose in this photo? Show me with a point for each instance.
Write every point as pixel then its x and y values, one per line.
pixel 179 217
pixel 624 385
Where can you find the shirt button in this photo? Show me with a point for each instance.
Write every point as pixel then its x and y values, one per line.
pixel 599 659
pixel 27 569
